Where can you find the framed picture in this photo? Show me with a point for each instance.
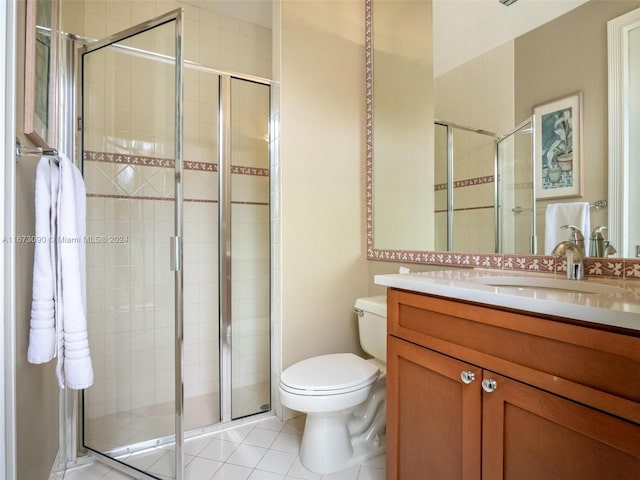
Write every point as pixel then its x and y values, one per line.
pixel 558 147
pixel 40 75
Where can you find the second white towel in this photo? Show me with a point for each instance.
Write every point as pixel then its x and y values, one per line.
pixel 74 360
pixel 559 214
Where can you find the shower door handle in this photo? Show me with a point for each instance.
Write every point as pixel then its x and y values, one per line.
pixel 175 254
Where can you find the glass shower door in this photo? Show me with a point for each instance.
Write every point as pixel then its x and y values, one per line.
pixel 465 160
pixel 132 158
pixel 250 248
pixel 474 160
pixel 227 249
pixel 516 202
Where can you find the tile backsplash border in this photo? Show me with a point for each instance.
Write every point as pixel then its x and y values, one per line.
pixel 620 268
pixel 148 161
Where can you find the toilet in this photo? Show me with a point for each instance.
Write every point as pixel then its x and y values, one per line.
pixel 343 396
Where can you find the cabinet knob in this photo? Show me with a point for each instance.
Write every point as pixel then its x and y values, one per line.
pixel 489 385
pixel 467 377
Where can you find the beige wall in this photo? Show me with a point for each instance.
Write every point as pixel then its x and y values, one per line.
pixel 544 71
pixel 322 131
pixel 402 100
pixel 36 386
pixel 385 268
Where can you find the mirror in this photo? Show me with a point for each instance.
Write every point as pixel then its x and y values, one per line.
pixel 624 118
pixel 493 88
pixel 40 71
pixel 402 125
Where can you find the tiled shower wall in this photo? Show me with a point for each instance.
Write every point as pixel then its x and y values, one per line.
pixel 478 94
pixel 129 175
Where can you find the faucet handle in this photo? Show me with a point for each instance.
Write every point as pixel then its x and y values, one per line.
pixel 576 236
pixel 575 231
pixel 597 246
pixel 599 230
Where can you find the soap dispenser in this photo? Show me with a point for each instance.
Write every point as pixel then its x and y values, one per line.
pixel 597 245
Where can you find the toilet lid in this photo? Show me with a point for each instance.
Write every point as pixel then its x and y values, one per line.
pixel 334 373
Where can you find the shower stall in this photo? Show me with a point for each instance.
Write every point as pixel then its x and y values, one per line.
pixel 176 160
pixel 484 192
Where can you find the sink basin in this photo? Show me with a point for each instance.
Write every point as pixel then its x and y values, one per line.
pixel 555 284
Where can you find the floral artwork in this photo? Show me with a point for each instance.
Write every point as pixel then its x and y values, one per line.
pixel 557 142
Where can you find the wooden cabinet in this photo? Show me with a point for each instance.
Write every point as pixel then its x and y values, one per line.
pixel 566 402
pixel 529 433
pixel 433 418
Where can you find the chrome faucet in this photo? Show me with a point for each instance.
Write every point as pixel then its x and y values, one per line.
pixel 575 258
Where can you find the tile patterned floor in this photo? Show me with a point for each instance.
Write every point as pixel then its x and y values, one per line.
pixel 264 450
pixel 127 427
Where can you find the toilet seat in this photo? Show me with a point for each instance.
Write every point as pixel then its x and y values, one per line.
pixel 332 374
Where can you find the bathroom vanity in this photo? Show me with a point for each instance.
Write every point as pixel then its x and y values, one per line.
pixel 481 383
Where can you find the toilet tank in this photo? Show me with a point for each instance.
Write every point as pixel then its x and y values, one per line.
pixel 372 325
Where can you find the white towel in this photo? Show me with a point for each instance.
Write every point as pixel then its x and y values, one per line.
pixel 74 360
pixel 42 332
pixel 58 313
pixel 559 214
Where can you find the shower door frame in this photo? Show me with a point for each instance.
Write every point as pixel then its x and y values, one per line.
pixel 225 81
pixel 176 241
pixel 450 127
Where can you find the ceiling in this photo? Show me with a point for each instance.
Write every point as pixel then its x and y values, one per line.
pixel 252 11
pixel 462 29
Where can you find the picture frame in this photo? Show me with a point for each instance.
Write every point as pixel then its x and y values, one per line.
pixel 558 147
pixel 40 74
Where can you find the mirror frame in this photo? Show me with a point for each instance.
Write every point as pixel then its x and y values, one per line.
pixel 616 266
pixel 31 80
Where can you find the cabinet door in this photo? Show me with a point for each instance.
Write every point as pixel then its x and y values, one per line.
pixel 528 433
pixel 433 416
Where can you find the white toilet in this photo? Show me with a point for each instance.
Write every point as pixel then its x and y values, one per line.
pixel 343 396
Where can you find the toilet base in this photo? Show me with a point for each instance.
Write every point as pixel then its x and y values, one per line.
pixel 329 446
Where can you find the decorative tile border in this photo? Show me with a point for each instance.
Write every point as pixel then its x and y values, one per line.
pixel 258 172
pixel 604 267
pixel 623 268
pixel 468 182
pixel 144 161
pixel 530 263
pixel 128 159
pixel 632 268
pixel 202 166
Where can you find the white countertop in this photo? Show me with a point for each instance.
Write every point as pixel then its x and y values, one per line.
pixel 614 308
